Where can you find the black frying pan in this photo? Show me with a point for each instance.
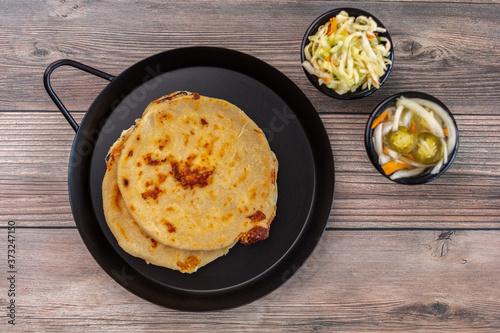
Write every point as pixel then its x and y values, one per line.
pixel 295 133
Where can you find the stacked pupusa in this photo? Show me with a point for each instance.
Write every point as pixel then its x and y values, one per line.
pixel 194 176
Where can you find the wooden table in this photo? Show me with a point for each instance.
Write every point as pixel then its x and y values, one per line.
pixel 393 257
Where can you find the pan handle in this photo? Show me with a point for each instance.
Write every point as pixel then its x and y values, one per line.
pixel 52 94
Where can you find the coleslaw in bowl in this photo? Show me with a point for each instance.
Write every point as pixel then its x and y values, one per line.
pixel 347 53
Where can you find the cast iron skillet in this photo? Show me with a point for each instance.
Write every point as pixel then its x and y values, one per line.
pixel 296 135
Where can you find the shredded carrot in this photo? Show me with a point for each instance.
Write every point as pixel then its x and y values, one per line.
pixel 445 130
pixel 326 79
pixel 328 59
pixel 393 166
pixel 385 151
pixel 380 118
pixel 413 126
pixel 370 35
pixel 333 26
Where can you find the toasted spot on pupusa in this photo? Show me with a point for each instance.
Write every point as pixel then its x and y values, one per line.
pixel 209 160
pixel 132 238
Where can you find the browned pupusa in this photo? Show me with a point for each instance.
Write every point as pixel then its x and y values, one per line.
pixel 198 174
pixel 132 238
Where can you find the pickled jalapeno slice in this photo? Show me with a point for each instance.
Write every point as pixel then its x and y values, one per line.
pixel 429 149
pixel 402 141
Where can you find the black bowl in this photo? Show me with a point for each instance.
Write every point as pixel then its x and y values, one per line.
pixel 313 29
pixel 425 176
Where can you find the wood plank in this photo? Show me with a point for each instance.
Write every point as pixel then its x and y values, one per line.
pixel 35 149
pixel 354 281
pixel 461 197
pixel 393 258
pixel 435 52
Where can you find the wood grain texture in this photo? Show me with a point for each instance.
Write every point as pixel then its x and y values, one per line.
pixel 35 150
pixel 354 281
pixel 394 258
pixel 438 49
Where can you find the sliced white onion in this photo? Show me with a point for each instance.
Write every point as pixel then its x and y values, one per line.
pixel 445 153
pixel 434 126
pixel 384 159
pixel 437 167
pixel 393 153
pixel 397 116
pixel 387 127
pixel 413 163
pixel 407 119
pixel 406 173
pixel 452 131
pixel 377 139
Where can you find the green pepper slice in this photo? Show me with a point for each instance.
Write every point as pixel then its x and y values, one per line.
pixel 401 140
pixel 429 148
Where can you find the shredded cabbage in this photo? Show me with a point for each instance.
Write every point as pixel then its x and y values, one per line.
pixel 346 53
